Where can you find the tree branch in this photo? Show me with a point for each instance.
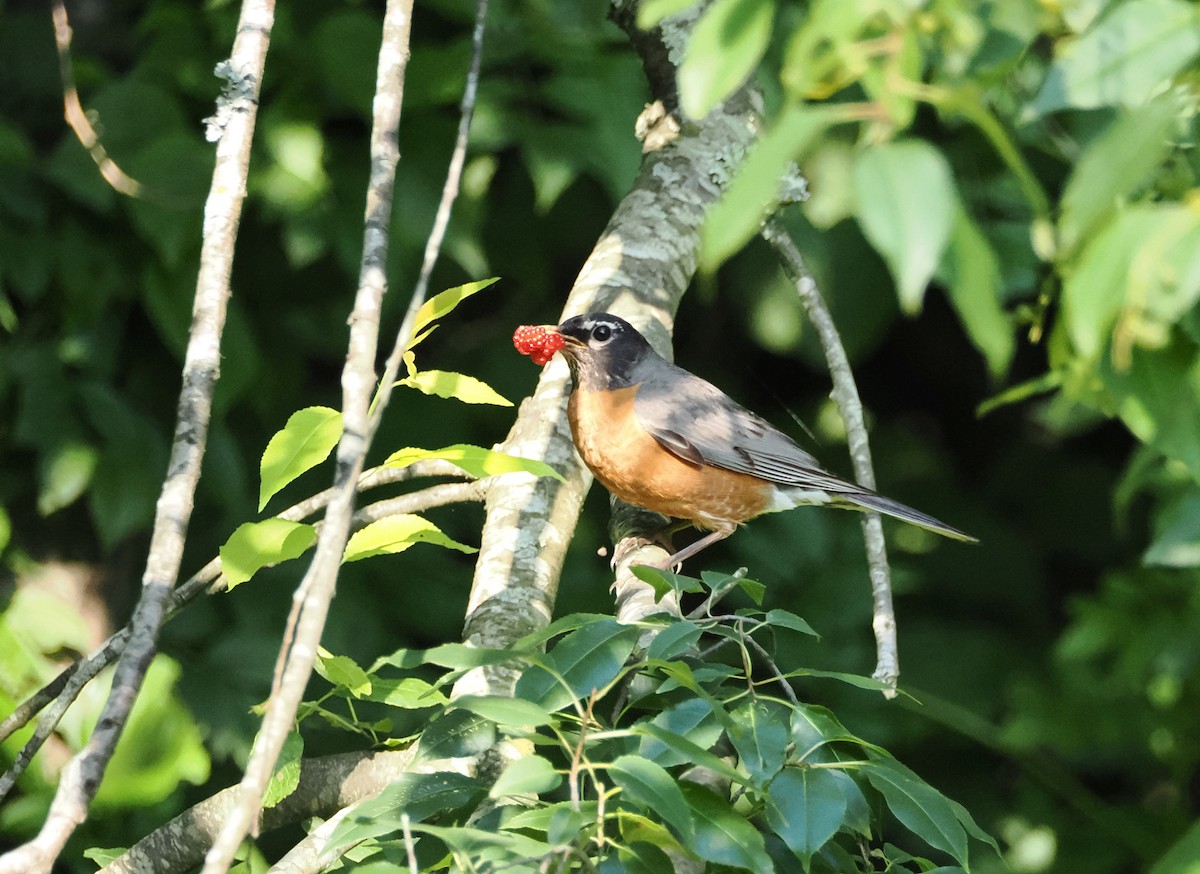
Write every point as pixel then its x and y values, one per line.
pixel 845 393
pixel 81 778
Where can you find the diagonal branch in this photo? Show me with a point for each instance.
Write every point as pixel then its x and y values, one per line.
pixel 845 393
pixel 81 778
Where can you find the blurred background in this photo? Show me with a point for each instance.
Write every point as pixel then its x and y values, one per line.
pixel 1052 667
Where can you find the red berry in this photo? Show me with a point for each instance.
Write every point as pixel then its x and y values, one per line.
pixel 537 342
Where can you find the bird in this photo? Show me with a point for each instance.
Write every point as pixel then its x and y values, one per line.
pixel 660 437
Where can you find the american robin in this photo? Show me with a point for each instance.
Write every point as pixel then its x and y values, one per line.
pixel 662 438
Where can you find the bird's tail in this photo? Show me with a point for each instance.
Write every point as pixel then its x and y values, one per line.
pixel 870 501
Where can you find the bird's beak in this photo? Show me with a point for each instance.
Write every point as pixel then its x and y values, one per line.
pixel 570 339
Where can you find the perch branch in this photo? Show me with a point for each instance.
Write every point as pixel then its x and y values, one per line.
pixel 81 777
pixel 845 393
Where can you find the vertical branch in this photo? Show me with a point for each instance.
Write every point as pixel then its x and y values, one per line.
pixel 845 393
pixel 222 211
pixel 311 599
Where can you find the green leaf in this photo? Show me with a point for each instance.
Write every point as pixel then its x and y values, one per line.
pixel 807 807
pixel 851 679
pixel 725 47
pixel 971 273
pixel 103 856
pixel 651 12
pixel 342 671
pixel 921 808
pixel 455 735
pixel 905 201
pixel 664 582
pixel 256 545
pixel 303 443
pixel 722 835
pixel 407 693
pixel 458 386
pixel 787 619
pixel 1114 165
pixel 687 750
pixel 65 474
pixel 395 534
pixel 505 711
pixel 1143 268
pixel 528 775
pixel 5 529
pixel 674 640
pixel 441 304
pixel 586 660
pixel 755 191
pixel 644 783
pixel 417 795
pixel 1181 856
pixel 759 732
pixel 286 776
pixel 691 719
pixel 474 461
pixel 1124 59
pixel 1176 534
pixel 638 829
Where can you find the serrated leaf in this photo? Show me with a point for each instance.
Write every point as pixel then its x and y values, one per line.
pixel 286 777
pixel 505 711
pixel 256 545
pixel 787 619
pixel 303 443
pixel 905 201
pixel 649 785
pixel 529 775
pixel 1124 59
pixel 456 386
pixel 723 835
pixel 473 460
pixel 395 534
pixel 455 735
pixel 443 303
pixel 920 807
pixel 807 807
pixel 724 49
pixel 342 671
pixel 759 732
pixel 586 660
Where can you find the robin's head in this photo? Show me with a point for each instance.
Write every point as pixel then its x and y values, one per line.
pixel 602 350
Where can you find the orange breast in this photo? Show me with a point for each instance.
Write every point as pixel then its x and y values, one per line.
pixel 633 466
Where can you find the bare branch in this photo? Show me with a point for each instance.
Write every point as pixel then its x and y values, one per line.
pixel 81 777
pixel 845 393
pixel 312 598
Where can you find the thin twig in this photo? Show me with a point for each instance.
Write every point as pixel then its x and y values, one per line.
pixel 312 598
pixel 76 117
pixel 65 688
pixel 845 393
pixel 81 777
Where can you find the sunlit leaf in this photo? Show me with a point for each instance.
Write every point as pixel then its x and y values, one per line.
pixel 342 671
pixel 456 734
pixel 256 545
pixel 528 775
pixel 303 443
pixel 395 534
pixel 649 785
pixel 415 795
pixel 65 473
pixel 456 386
pixel 473 460
pixel 505 711
pixel 286 777
pixel 441 304
pixel 651 12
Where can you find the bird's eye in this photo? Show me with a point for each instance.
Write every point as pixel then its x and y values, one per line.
pixel 601 333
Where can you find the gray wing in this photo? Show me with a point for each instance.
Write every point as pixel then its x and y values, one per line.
pixel 698 423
